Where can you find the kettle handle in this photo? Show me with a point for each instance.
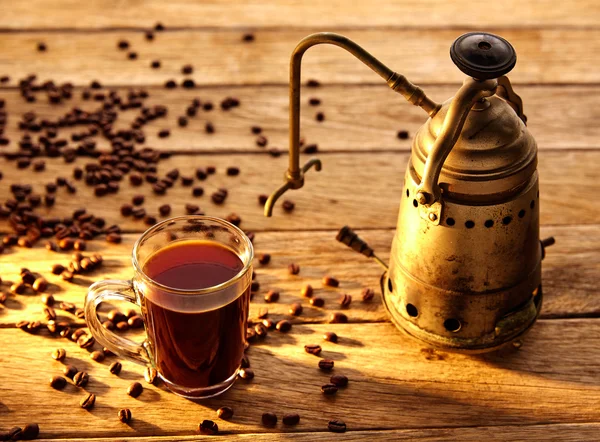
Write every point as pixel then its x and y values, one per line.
pixel 428 192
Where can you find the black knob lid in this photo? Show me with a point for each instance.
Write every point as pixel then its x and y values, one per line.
pixel 482 55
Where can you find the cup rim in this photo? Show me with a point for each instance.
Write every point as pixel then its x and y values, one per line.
pixel 206 290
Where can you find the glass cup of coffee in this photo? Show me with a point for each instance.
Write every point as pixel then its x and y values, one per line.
pixel 191 279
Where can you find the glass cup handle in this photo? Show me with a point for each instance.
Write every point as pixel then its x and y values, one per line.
pixel 113 290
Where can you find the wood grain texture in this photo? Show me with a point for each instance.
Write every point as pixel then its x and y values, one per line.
pixel 570 273
pixel 501 433
pixel 362 190
pixel 357 117
pixel 296 13
pixel 393 381
pixel 220 57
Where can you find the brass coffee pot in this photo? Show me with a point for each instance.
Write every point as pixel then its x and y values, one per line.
pixel 465 266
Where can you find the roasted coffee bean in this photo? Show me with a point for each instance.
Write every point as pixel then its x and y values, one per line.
pixel 402 134
pixel 208 427
pixel 295 309
pixel 329 389
pixel 288 206
pixel 34 326
pixel 66 244
pixel 122 326
pixel 138 200
pixel 25 242
pixel 198 191
pixel 135 322
pixel 49 313
pixel 22 325
pixel 313 83
pixel 3 297
pixel 330 336
pixel 234 219
pixel 262 199
pixel 293 269
pixel 250 335
pixel 310 149
pixel 30 432
pixel 219 196
pixel 97 355
pixel 51 246
pixel 307 291
pixel 124 415
pixel 123 44
pixel 135 389
pixel 330 281
pixel 77 334
pixel 269 419
pixel 339 380
pixel 247 373
pixel 272 296
pixel 261 141
pixel 87 403
pixel 268 323
pixel 14 433
pixel 345 300
pixel 256 130
pixel 367 294
pixel 233 171
pixel 338 318
pixel 313 349
pixel 132 55
pixel 245 362
pixel 290 419
pixel 255 286
pixel 182 121
pixel 320 116
pixel 326 364
pixel 209 128
pixel 27 277
pixel 57 269
pixel 225 413
pixel 191 209
pixel 336 426
pixel 260 330
pixel 58 382
pixel 164 210
pixel 264 258
pixel 150 375
pixel 284 326
pixel 18 288
pixel 40 285
pixel 65 332
pixel 263 313
pixel 59 354
pixel 113 238
pixel 69 371
pixel 115 367
pixel 317 301
pixel 86 341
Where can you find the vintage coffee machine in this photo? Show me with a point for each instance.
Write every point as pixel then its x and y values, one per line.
pixel 465 266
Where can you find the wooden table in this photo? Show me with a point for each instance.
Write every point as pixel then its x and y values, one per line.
pixel 547 390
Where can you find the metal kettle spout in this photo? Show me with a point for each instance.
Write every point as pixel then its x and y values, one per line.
pixel 294 177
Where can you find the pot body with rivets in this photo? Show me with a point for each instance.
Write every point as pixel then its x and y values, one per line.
pixel 467 277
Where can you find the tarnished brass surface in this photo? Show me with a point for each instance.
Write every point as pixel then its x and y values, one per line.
pixel 465 265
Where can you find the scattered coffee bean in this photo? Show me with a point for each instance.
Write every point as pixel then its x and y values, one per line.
pixel 247 373
pixel 109 325
pixel 402 134
pixel 284 326
pixel 264 258
pixel 338 318
pixel 272 296
pixel 307 291
pixel 86 341
pixel 320 116
pixel 310 149
pixel 135 322
pixel 293 269
pixel 122 326
pixel 41 46
pixel 330 336
pixel 255 286
pixel 58 382
pixel 367 294
pixel 97 355
pixel 69 371
pixel 123 44
pixel 187 69
pixel 262 199
pixel 132 55
pixel 80 331
pixel 14 433
pixel 51 246
pixel 67 275
pixel 115 367
pixel 59 354
pixel 290 419
pixel 329 389
pixel 30 432
pixel 326 364
pixel 269 419
pixel 124 415
pixel 209 128
pixel 225 413
pixel 150 375
pixel 49 313
pixel 233 171
pixel 191 209
pixel 295 309
pixel 135 389
pixel 155 64
pixel 313 349
pixel 87 403
pixel 18 288
pixel 81 379
pixel 113 238
pixel 314 101
pixel 339 380
pixel 260 330
pixel 313 83
pixel 57 269
pixel 317 301
pixel 345 300
pixel 208 427
pixel 336 426
pixel 245 362
pixel 288 206
pixel 330 281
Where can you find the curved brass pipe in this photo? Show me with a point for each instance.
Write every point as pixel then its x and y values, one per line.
pixel 295 175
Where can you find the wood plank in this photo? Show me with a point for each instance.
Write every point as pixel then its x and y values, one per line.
pixel 189 13
pixel 551 380
pixel 550 433
pixel 559 117
pixel 338 195
pixel 220 57
pixel 570 273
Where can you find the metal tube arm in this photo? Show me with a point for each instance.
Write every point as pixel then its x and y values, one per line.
pixel 295 174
